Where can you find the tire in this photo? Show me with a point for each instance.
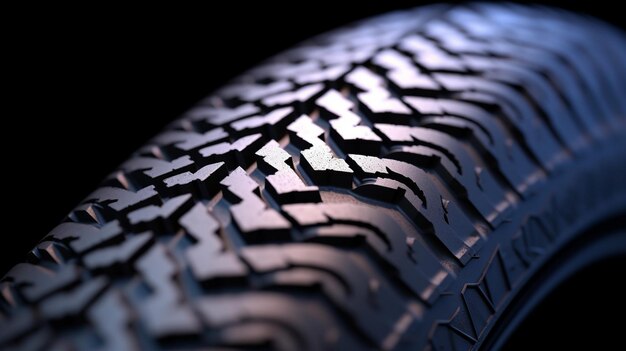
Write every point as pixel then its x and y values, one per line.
pixel 398 184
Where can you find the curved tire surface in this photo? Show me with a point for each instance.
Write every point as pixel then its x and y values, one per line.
pixel 390 185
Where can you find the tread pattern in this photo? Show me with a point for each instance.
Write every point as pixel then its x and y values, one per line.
pixel 328 198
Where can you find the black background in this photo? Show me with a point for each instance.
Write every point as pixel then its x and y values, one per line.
pixel 98 82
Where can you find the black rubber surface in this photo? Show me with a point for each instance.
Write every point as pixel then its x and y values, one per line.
pixel 390 185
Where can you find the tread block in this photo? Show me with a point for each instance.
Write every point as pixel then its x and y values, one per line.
pixel 84 237
pixel 301 98
pixel 462 240
pixel 159 272
pixel 402 73
pixel 208 258
pixel 389 243
pixel 201 182
pixel 284 70
pixel 356 293
pixel 143 171
pixel 272 124
pixel 468 185
pixel 120 256
pixel 123 200
pixel 537 135
pixel 315 327
pixel 318 160
pixel 428 55
pixel 330 74
pixel 74 302
pixel 253 92
pixel 204 117
pixel 177 142
pixel 90 213
pixel 482 187
pixel 284 184
pixel 237 153
pixel 111 318
pixel 513 162
pixel 253 217
pixel 37 282
pixel 346 128
pixel 376 101
pixel 161 218
pixel 48 251
pixel 20 324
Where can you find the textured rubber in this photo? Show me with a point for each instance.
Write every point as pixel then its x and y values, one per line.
pixel 390 185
